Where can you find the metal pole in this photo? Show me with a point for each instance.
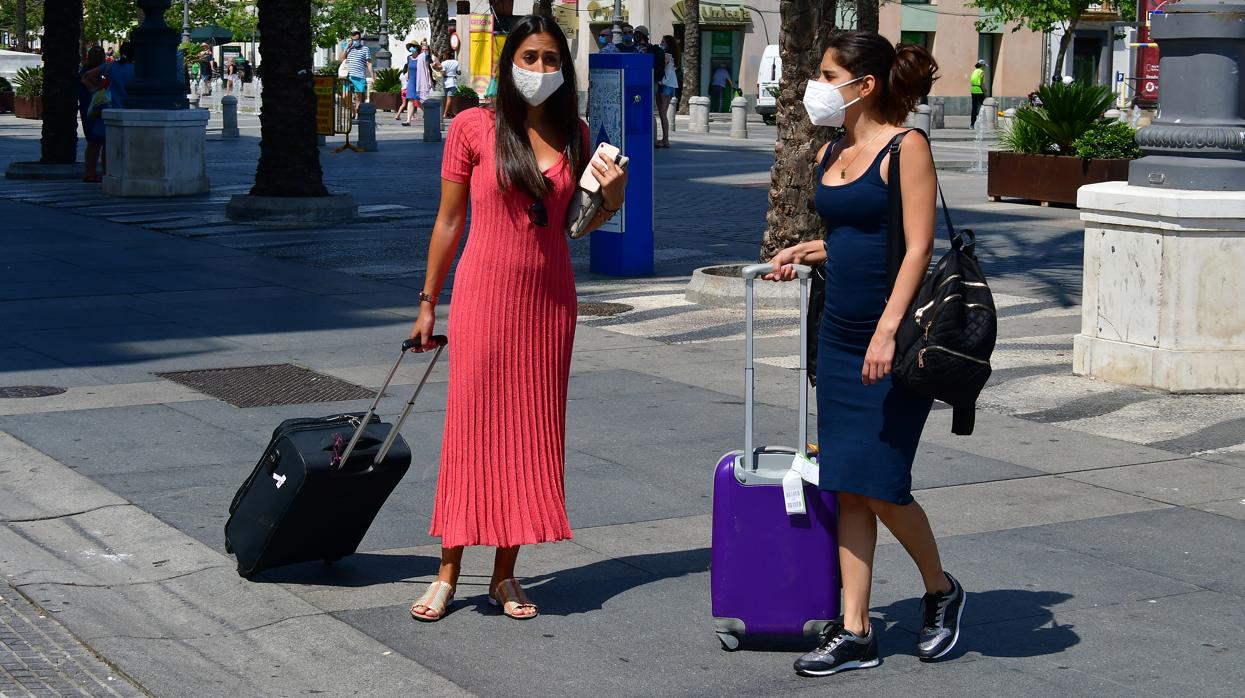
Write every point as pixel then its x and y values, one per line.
pixel 383 58
pixel 185 21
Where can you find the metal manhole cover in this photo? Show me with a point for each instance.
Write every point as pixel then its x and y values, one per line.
pixel 603 309
pixel 11 391
pixel 262 386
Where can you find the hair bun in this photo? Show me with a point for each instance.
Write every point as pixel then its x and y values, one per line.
pixel 912 75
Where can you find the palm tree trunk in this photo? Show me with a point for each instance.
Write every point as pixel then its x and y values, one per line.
pixel 59 144
pixel 19 25
pixel 691 53
pixel 792 217
pixel 439 23
pixel 867 15
pixel 289 159
pixel 1064 42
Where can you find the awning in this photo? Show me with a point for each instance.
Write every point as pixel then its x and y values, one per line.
pixel 714 13
pixel 211 34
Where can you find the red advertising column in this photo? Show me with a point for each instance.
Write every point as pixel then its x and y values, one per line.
pixel 1147 72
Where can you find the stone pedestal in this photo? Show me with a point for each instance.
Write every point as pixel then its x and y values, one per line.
pixel 698 115
pixel 739 118
pixel 367 128
pixel 292 209
pixel 155 152
pixel 1162 300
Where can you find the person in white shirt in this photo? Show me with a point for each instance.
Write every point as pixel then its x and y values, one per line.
pixel 450 69
pixel 668 89
pixel 717 87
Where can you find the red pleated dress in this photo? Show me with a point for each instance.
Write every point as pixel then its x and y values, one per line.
pixel 511 330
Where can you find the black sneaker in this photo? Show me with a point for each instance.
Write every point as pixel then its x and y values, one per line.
pixel 940 624
pixel 839 649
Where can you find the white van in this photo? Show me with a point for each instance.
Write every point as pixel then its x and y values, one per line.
pixel 768 76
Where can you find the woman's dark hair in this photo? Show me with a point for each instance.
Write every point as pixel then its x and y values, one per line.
pixel 516 161
pixel 127 51
pixel 904 72
pixel 672 48
pixel 94 57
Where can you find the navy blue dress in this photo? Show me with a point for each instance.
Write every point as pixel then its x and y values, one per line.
pixel 868 434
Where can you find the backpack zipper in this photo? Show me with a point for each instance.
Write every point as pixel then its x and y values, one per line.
pixel 920 355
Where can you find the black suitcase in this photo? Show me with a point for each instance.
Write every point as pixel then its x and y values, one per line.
pixel 319 484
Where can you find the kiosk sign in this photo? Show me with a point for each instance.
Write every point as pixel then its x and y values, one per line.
pixel 605 123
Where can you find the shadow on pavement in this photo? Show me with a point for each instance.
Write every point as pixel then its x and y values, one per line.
pixel 358 570
pixel 1018 623
pixel 587 587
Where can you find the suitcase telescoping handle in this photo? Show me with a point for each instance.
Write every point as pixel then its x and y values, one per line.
pixel 407 345
pixel 750 274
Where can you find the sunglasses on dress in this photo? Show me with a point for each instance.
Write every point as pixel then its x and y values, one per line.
pixel 537 214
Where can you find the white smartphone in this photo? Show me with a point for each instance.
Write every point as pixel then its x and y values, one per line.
pixel 589 183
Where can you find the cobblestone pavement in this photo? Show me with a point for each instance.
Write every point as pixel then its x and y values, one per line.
pixel 39 658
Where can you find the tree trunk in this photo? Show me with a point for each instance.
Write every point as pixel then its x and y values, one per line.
pixel 19 25
pixel 1064 42
pixel 289 159
pixel 792 217
pixel 867 15
pixel 59 144
pixel 691 53
pixel 439 23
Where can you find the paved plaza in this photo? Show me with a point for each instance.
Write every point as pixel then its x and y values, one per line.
pixel 1098 528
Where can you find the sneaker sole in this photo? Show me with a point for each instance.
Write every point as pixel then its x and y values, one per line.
pixel 955 637
pixel 848 666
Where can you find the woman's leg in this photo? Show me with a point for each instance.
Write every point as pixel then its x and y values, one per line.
pixel 503 569
pixel 858 537
pixel 451 566
pixel 663 104
pixel 910 525
pixel 410 110
pixel 91 158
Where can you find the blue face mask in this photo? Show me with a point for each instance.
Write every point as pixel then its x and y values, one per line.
pixel 628 40
pixel 602 41
pixel 358 44
pixel 413 50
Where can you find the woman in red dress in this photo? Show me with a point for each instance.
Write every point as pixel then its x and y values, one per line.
pixel 512 322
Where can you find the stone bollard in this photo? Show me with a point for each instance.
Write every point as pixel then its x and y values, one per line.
pixel 739 118
pixel 194 101
pixel 938 113
pixel 990 112
pixel 1114 115
pixel 921 119
pixel 229 117
pixel 367 127
pixel 431 107
pixel 698 113
pixel 671 112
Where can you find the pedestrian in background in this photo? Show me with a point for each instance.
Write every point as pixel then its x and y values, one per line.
pixel 450 69
pixel 116 76
pixel 868 427
pixel 512 322
pixel 718 84
pixel 667 87
pixel 231 76
pixel 358 60
pixel 605 41
pixel 977 90
pixel 410 88
pixel 92 123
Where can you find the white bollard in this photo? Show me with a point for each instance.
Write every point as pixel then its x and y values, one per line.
pixel 1009 118
pixel 229 117
pixel 990 112
pixel 938 113
pixel 698 112
pixel 367 127
pixel 739 118
pixel 671 112
pixel 922 119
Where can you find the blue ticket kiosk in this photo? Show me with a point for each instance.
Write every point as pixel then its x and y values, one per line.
pixel 620 111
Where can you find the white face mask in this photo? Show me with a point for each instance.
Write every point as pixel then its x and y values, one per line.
pixel 824 103
pixel 536 87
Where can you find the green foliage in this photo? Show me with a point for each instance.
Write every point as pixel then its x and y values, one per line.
pixel 1108 140
pixel 329 68
pixel 387 80
pixel 1023 137
pixel 34 17
pixel 465 91
pixel 1067 112
pixel 333 20
pixel 5 85
pixel 29 81
pixel 242 19
pixel 1040 16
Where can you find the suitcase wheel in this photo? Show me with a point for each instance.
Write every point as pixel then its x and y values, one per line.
pixel 730 641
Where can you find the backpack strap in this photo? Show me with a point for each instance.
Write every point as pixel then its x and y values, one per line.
pixel 825 159
pixel 896 244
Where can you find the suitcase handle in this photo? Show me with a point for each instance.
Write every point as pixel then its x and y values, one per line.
pixel 750 274
pixel 407 345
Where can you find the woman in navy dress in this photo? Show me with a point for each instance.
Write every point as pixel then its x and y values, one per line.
pixel 868 426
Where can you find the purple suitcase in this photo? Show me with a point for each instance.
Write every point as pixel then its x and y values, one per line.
pixel 773 575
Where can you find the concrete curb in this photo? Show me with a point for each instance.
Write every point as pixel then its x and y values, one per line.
pixel 168 610
pixel 727 290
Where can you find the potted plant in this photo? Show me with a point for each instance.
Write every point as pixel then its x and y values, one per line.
pixel 462 99
pixel 386 92
pixel 1052 150
pixel 6 96
pixel 28 93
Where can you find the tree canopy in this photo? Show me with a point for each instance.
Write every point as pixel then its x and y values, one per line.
pixel 1041 16
pixel 332 20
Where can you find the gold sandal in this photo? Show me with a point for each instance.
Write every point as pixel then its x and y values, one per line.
pixel 435 600
pixel 511 599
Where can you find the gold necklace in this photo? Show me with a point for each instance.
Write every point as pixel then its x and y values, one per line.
pixel 843 171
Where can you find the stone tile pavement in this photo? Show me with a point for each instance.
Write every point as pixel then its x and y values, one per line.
pixel 1081 549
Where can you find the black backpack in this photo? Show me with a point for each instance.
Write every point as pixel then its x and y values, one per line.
pixel 944 341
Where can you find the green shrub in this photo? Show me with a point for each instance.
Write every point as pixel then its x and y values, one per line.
pixel 1108 140
pixel 465 91
pixel 1067 112
pixel 5 85
pixel 329 68
pixel 387 80
pixel 29 81
pixel 1023 137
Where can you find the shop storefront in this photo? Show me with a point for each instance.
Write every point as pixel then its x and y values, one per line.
pixel 723 29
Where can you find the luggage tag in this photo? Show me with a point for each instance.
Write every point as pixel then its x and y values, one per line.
pixel 802 470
